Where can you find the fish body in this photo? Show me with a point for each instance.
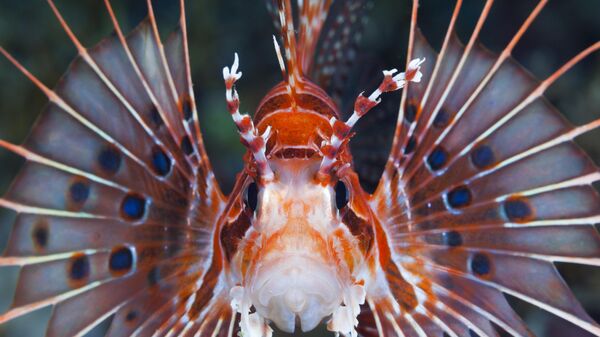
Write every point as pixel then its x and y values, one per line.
pixel 472 203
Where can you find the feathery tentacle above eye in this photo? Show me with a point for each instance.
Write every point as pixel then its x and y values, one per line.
pixel 117 202
pixel 472 196
pixel 256 143
pixel 341 130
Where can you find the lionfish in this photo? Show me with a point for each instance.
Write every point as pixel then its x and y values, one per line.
pixel 483 191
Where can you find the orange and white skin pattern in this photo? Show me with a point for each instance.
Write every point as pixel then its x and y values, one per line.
pixel 306 243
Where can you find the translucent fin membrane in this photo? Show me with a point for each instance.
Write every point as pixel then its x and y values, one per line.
pixel 116 203
pixel 312 18
pixel 337 49
pixel 483 192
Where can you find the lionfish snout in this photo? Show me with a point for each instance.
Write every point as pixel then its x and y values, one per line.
pixel 296 283
pixel 295 288
pixel 294 274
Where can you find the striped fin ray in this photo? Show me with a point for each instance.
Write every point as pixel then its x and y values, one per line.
pixel 180 104
pixel 322 47
pixel 143 32
pixel 169 107
pixel 300 46
pixel 312 18
pixel 476 204
pixel 325 42
pixel 328 33
pixel 116 205
pixel 290 44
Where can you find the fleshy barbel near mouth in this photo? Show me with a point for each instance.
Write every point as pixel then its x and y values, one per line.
pixel 295 287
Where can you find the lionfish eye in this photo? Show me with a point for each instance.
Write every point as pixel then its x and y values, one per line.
pixel 341 195
pixel 251 196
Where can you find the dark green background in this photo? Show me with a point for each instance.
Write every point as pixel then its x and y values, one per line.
pixel 218 28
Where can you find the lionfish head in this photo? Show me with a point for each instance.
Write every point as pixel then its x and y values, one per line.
pixel 308 235
pixel 298 264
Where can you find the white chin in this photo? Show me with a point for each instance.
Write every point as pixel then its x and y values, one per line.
pixel 295 288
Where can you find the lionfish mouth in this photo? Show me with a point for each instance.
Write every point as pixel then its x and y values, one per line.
pixel 295 292
pixel 295 287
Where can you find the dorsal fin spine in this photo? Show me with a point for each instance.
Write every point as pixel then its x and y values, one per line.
pixel 445 44
pixel 289 46
pixel 467 51
pixel 138 71
pixel 171 83
pixel 312 19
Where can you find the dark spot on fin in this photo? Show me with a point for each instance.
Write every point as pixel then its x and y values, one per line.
pixel 186 108
pixel 160 161
pixel 133 207
pixel 441 119
pixel 186 146
pixel 480 264
pixel 40 234
pixel 109 160
pixel 79 192
pixel 410 114
pixel 482 157
pixel 437 158
pixel 410 145
pixel 452 238
pixel 79 267
pixel 517 210
pixel 121 260
pixel 155 118
pixel 131 316
pixel 153 276
pixel 459 197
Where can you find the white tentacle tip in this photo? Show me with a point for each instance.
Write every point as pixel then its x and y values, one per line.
pixel 232 73
pixel 390 72
pixel 236 63
pixel 415 63
pixel 413 70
